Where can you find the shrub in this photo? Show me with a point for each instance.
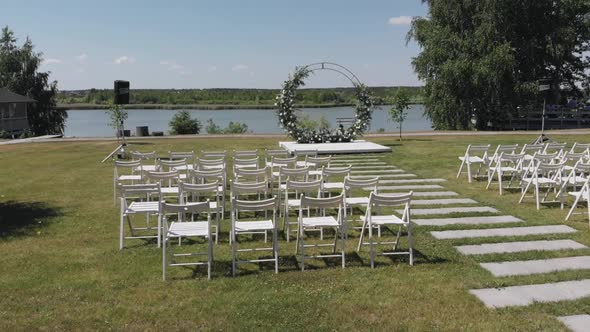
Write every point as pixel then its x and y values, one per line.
pixel 232 128
pixel 213 128
pixel 183 124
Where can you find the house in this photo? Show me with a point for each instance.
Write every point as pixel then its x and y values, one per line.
pixel 13 112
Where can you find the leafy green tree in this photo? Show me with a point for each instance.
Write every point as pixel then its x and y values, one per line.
pixel 400 103
pixel 19 72
pixel 485 57
pixel 117 116
pixel 183 124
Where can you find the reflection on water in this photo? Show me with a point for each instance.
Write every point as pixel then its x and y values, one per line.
pixel 93 123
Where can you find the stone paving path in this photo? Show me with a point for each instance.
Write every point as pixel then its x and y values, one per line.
pixel 576 323
pixel 425 193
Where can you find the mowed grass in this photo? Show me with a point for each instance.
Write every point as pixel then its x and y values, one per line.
pixel 61 268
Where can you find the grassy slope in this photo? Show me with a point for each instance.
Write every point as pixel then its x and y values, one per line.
pixel 61 268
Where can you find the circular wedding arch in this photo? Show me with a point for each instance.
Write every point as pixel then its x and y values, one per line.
pixel 288 118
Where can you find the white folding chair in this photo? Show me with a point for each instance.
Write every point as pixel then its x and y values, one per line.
pixel 277 163
pixel 360 185
pixel 583 195
pixel 139 199
pixel 546 177
pixel 576 176
pixel 191 193
pixel 507 165
pixel 179 165
pixel 252 175
pixel 330 176
pixel 295 189
pixel 372 219
pixel 126 172
pixel 293 174
pixel 315 164
pixel 209 176
pixel 474 155
pixel 148 160
pixel 249 226
pixel 581 148
pixel 168 181
pixel 280 153
pixel 251 163
pixel 181 229
pixel 529 150
pixel 558 148
pixel 502 149
pixel 248 191
pixel 214 155
pixel 245 154
pixel 189 156
pixel 321 220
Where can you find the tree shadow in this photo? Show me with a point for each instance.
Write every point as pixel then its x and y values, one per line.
pixel 25 218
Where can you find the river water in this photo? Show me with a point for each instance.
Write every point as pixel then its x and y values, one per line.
pixel 94 123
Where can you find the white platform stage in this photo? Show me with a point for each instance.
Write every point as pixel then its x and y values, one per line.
pixel 358 146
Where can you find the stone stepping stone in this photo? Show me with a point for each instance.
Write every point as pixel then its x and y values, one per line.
pixel 373 171
pixel 519 246
pixel 576 323
pixel 399 175
pixel 434 193
pixel 359 164
pixel 465 220
pixel 443 201
pixel 407 187
pixel 412 181
pixel 360 160
pixel 518 268
pixel 509 231
pixel 525 295
pixel 373 167
pixel 475 209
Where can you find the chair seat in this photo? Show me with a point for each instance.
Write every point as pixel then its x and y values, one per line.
pixel 576 194
pixel 540 181
pixel 356 201
pixel 188 228
pixel 258 225
pixel 282 186
pixel 146 168
pixel 253 165
pixel 333 185
pixel 506 169
pixel 315 172
pixel 129 178
pixel 328 221
pixel 301 163
pixel 142 207
pixel 169 190
pixel 212 167
pixel 294 202
pixel 473 159
pixel 385 220
pixel 576 180
pixel 183 167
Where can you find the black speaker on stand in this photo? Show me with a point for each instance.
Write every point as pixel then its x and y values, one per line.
pixel 121 92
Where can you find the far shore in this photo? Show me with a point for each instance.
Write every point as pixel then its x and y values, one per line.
pixel 209 107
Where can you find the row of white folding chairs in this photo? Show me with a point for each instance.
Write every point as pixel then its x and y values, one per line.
pixel 479 155
pixel 182 228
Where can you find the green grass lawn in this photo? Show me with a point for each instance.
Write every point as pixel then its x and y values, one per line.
pixel 61 268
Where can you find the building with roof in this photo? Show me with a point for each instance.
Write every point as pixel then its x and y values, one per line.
pixel 13 112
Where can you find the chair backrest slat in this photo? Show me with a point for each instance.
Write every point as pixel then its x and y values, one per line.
pixel 390 200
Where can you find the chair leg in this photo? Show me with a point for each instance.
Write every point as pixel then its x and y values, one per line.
pixel 411 243
pixel 468 172
pixel 159 231
pixel 164 260
pixel 342 230
pixel 233 253
pixel 122 232
pixel 537 196
pixel 209 258
pixel 371 247
pixel 275 246
pixel 460 168
pixel 302 235
pixel 361 237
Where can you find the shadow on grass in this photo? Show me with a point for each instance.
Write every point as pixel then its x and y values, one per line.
pixel 24 218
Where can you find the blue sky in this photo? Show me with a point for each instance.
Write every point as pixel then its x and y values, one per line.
pixel 213 44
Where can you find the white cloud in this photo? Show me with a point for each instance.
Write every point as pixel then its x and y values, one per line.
pixel 212 68
pixel 400 20
pixel 173 66
pixel 51 61
pixel 239 67
pixel 82 57
pixel 124 59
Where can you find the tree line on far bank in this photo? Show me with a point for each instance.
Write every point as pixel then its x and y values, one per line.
pixel 263 97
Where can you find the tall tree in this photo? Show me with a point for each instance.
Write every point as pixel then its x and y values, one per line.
pixel 19 72
pixel 484 58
